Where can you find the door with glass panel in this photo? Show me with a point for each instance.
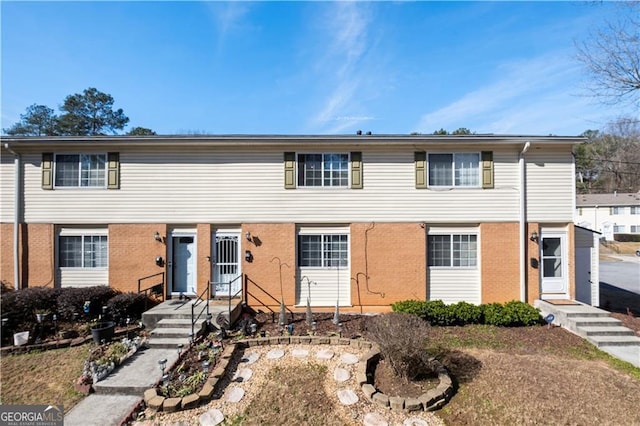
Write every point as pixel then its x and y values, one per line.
pixel 226 263
pixel 553 263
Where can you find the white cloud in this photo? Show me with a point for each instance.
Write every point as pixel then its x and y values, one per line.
pixel 535 96
pixel 347 33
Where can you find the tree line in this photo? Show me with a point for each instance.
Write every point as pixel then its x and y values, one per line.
pixel 89 113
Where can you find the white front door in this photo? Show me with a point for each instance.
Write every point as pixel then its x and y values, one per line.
pixel 183 263
pixel 226 263
pixel 554 273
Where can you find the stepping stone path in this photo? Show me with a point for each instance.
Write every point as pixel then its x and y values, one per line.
pixel 415 421
pixel 325 354
pixel 341 375
pixel 211 418
pixel 242 375
pixel 235 394
pixel 374 419
pixel 275 354
pixel 348 358
pixel 250 358
pixel 347 396
pixel 300 353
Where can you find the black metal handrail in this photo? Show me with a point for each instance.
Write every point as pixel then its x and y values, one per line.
pixel 157 288
pixel 202 297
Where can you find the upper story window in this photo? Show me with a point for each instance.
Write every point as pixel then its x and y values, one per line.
pixel 328 170
pixel 635 210
pixel 323 170
pixel 453 250
pixel 80 170
pixel 323 250
pixel 454 170
pixel 617 210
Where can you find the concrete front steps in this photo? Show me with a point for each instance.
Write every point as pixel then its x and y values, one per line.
pixel 597 326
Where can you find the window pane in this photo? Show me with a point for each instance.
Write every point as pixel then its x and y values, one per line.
pixel 95 251
pixel 92 170
pixel 310 169
pixel 336 170
pixel 467 171
pixel 70 252
pixel 439 252
pixel 464 250
pixel 440 169
pixel 335 250
pixel 551 247
pixel 67 170
pixel 552 268
pixel 310 249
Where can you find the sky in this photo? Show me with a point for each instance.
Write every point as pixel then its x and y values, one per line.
pixel 310 67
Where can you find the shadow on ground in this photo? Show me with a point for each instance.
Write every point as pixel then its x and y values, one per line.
pixel 614 299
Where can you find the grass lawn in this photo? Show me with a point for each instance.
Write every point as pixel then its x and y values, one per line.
pixel 45 377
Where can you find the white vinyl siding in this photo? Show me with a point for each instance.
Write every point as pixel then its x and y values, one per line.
pixel 455 282
pixel 7 194
pixel 550 185
pixel 219 186
pixel 328 275
pixel 85 252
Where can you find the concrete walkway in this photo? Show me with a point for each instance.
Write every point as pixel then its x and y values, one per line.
pixel 596 326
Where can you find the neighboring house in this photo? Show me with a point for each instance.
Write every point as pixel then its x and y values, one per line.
pixel 361 220
pixel 609 214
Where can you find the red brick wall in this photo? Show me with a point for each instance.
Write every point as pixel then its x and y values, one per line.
pixel 500 262
pixel 395 264
pixel 270 241
pixel 204 251
pixel 37 262
pixel 132 254
pixel 533 274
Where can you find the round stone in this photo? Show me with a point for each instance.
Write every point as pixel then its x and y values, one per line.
pixel 275 354
pixel 415 421
pixel 347 396
pixel 211 418
pixel 250 358
pixel 374 419
pixel 242 375
pixel 325 354
pixel 341 375
pixel 300 353
pixel 235 394
pixel 348 358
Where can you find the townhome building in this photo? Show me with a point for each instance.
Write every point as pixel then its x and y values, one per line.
pixel 609 214
pixel 358 221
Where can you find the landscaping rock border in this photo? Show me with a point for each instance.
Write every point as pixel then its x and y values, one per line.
pixel 430 401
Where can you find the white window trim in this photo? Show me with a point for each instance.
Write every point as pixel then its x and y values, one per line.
pixel 453 171
pixel 79 187
pixel 81 232
pixel 455 231
pixel 323 187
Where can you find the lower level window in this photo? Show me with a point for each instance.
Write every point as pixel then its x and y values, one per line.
pixel 325 251
pixel 453 250
pixel 618 228
pixel 83 251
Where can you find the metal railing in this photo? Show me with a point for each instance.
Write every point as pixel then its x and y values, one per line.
pixel 156 289
pixel 229 294
pixel 202 297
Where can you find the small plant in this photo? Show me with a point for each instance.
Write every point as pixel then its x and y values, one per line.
pixel 402 339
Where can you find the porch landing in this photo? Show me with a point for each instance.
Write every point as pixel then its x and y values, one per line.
pixel 596 326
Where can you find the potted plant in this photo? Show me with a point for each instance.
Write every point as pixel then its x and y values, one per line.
pixel 102 331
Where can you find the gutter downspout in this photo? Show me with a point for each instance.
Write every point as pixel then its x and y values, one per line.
pixel 16 216
pixel 523 220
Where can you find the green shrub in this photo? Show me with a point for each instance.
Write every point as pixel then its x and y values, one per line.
pixel 415 307
pixel 71 300
pixel 437 313
pixel 466 313
pixel 522 314
pixel 495 314
pixel 125 305
pixel 402 339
